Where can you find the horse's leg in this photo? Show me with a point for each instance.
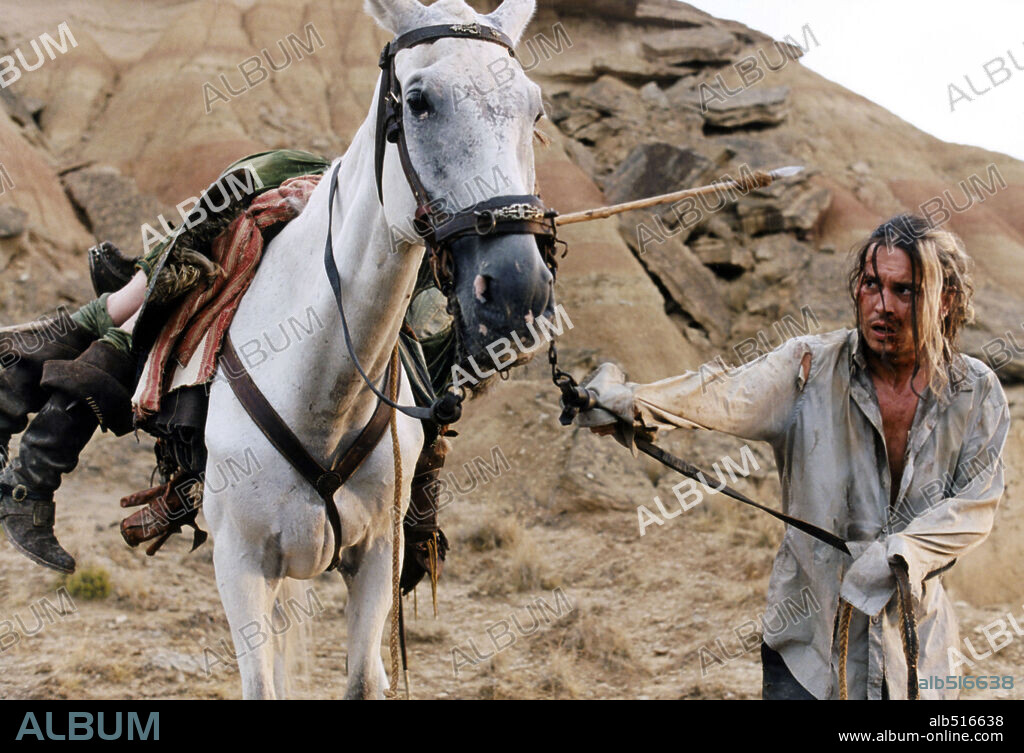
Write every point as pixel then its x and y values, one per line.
pixel 248 598
pixel 369 602
pixel 290 631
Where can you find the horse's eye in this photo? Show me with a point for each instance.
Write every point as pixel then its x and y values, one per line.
pixel 418 104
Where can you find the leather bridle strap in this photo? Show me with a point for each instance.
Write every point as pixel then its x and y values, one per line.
pixel 326 481
pixel 389 99
pixel 502 215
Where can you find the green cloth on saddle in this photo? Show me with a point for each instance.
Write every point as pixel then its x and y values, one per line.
pixel 272 168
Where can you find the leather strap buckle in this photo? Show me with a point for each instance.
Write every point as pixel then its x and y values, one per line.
pixel 491 222
pixel 44 514
pixel 328 484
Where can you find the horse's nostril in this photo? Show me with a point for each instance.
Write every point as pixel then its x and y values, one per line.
pixel 480 285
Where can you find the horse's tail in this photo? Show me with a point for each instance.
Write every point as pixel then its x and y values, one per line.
pixel 296 604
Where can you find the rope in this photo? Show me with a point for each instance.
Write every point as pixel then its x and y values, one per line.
pixel 432 561
pixel 908 622
pixel 396 536
pixel 845 613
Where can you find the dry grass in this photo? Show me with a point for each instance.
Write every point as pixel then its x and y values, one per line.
pixel 590 638
pixel 496 533
pixel 527 569
pixel 555 676
pixel 559 677
pixel 425 629
pixel 136 590
pixel 513 562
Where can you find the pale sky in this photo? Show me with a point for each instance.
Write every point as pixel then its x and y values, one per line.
pixel 904 54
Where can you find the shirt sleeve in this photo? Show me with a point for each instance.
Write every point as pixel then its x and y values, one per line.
pixel 953 525
pixel 754 401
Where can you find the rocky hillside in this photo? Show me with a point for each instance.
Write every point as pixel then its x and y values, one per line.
pixel 643 96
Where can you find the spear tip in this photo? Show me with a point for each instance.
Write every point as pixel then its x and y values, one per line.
pixel 786 172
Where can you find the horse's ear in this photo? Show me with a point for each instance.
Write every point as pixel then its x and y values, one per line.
pixel 397 16
pixel 513 17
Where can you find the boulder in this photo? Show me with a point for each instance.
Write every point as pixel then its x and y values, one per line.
pixel 704 45
pixel 609 95
pixel 640 70
pixel 688 285
pixel 724 257
pixel 763 106
pixel 652 169
pixel 781 208
pixel 113 206
pixel 652 94
pixel 661 12
pixel 13 221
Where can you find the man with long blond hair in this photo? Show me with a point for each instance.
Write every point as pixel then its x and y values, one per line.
pixel 884 434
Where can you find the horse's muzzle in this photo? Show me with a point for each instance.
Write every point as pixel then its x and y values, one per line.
pixel 502 286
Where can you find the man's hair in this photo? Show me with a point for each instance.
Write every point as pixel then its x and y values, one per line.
pixel 940 267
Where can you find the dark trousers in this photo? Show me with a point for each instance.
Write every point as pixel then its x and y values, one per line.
pixel 778 683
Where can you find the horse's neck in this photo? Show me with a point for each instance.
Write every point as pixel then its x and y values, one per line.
pixel 288 330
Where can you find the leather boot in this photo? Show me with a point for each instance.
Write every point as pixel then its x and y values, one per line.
pixel 49 448
pixel 85 395
pixel 23 351
pixel 109 269
pixel 425 542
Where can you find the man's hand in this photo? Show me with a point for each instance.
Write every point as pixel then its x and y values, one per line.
pixel 615 413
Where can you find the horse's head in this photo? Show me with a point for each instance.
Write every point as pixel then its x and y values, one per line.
pixel 467 114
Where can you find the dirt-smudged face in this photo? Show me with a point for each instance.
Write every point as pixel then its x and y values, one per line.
pixel 885 302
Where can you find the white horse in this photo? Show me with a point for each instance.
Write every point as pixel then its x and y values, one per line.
pixel 270 528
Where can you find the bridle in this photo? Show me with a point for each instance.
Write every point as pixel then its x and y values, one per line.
pixel 501 215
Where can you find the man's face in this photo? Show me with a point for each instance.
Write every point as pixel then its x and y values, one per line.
pixel 887 329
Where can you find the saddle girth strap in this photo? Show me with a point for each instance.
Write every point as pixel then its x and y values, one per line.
pixel 326 481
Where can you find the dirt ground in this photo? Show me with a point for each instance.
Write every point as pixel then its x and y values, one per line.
pixel 556 576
